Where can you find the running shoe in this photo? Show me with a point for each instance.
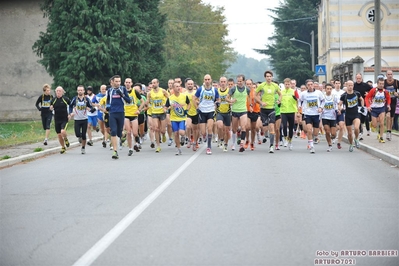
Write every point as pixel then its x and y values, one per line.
pixel 258 137
pixel 298 133
pixel 252 147
pixel 333 141
pixel 285 142
pixel 130 153
pixel 170 141
pixel 178 152
pixel 45 142
pixel 290 146
pixel 80 139
pixel 66 142
pixel 351 148
pixel 368 133
pixel 271 150
pixel 388 136
pixel 357 144
pixel 312 150
pixel 238 141
pixel 182 140
pixel 97 129
pixel 152 145
pixel 281 143
pixel 381 140
pixel 115 155
pixel 242 148
pixel 246 145
pixel 90 143
pixel 264 140
pixel 220 144
pixel 225 148
pixel 360 136
pixel 200 140
pixel 104 144
pixel 277 147
pixel 189 144
pixel 233 147
pixel 329 149
pixel 339 146
pixel 123 138
pixel 208 151
pixel 136 148
pixel 163 138
pixel 316 141
pixel 195 147
pixel 378 136
pixel 63 150
pixel 158 149
pixel 83 150
pixel 259 142
pixel 205 139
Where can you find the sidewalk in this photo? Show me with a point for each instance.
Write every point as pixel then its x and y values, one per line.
pixel 388 151
pixel 25 152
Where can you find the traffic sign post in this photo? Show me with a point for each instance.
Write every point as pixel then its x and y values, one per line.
pixel 320 70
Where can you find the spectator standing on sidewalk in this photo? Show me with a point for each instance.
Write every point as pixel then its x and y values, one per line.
pixel 396 118
pixel 392 86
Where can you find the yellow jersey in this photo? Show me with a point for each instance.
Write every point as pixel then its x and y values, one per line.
pixel 224 106
pixel 178 106
pixel 192 111
pixel 132 108
pixel 157 101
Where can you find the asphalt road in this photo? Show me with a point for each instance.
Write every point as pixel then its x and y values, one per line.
pixel 251 208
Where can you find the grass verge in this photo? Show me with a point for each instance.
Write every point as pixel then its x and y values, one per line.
pixel 16 133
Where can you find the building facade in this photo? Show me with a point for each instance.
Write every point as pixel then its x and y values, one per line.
pixel 346 31
pixel 21 76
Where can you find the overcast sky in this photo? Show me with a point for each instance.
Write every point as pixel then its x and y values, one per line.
pixel 249 24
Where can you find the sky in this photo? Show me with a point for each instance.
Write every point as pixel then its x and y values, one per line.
pixel 249 24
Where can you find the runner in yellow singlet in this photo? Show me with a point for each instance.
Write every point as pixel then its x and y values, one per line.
pixel 157 98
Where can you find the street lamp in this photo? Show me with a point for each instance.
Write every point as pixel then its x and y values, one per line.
pixel 311 46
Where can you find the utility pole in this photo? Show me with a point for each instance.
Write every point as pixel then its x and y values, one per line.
pixel 313 50
pixel 377 38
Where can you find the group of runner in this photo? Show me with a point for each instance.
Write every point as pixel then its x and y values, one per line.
pixel 217 111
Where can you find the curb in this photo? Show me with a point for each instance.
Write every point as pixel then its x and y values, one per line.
pixel 35 155
pixel 386 157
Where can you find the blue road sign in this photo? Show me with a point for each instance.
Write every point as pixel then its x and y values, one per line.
pixel 320 70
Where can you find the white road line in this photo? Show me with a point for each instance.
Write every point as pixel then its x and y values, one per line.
pixel 92 254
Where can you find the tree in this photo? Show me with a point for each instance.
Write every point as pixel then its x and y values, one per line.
pixel 88 41
pixel 294 18
pixel 195 42
pixel 250 67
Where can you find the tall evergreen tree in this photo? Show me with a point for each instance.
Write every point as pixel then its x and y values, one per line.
pixel 293 18
pixel 88 41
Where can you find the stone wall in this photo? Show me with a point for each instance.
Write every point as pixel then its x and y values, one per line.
pixel 21 77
